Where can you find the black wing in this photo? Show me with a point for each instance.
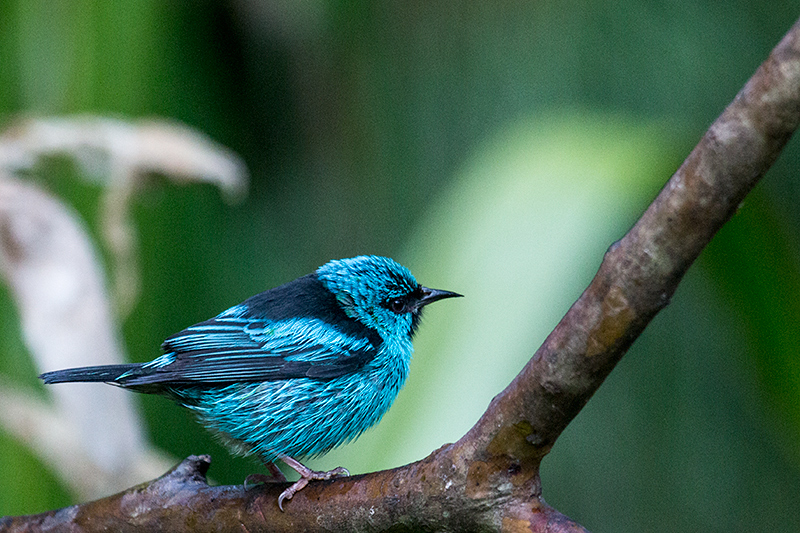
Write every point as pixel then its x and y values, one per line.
pixel 235 349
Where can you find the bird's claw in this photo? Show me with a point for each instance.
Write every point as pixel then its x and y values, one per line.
pixel 310 475
pixel 275 476
pixel 339 471
pixel 291 491
pixel 254 479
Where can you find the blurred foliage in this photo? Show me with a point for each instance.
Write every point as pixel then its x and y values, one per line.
pixel 436 133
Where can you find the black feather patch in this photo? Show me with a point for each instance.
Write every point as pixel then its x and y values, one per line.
pixel 307 297
pixel 97 374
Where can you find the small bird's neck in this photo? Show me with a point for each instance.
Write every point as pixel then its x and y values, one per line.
pixel 391 364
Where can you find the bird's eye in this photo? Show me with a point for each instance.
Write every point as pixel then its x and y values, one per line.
pixel 397 305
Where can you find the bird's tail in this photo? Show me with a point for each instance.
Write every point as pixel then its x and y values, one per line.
pixel 107 373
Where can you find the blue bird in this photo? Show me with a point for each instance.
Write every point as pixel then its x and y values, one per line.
pixel 293 371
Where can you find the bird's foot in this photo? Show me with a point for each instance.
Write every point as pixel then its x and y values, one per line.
pixel 275 476
pixel 312 475
pixel 275 472
pixel 306 475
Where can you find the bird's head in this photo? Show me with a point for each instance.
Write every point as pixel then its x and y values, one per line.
pixel 379 292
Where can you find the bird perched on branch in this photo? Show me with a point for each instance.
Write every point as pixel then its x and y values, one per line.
pixel 293 371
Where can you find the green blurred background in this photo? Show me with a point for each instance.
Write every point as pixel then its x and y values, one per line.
pixel 494 148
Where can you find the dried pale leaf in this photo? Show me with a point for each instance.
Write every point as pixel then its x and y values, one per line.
pixel 113 150
pixel 121 154
pixel 58 285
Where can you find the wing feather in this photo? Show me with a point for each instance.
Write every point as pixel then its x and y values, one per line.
pixel 233 349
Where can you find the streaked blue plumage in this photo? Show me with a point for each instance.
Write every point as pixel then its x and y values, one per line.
pixel 293 371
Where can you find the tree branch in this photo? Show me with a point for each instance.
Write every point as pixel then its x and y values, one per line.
pixel 489 479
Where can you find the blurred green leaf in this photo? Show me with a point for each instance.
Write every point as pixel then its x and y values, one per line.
pixel 755 262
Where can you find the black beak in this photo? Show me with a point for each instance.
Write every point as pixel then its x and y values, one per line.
pixel 432 295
